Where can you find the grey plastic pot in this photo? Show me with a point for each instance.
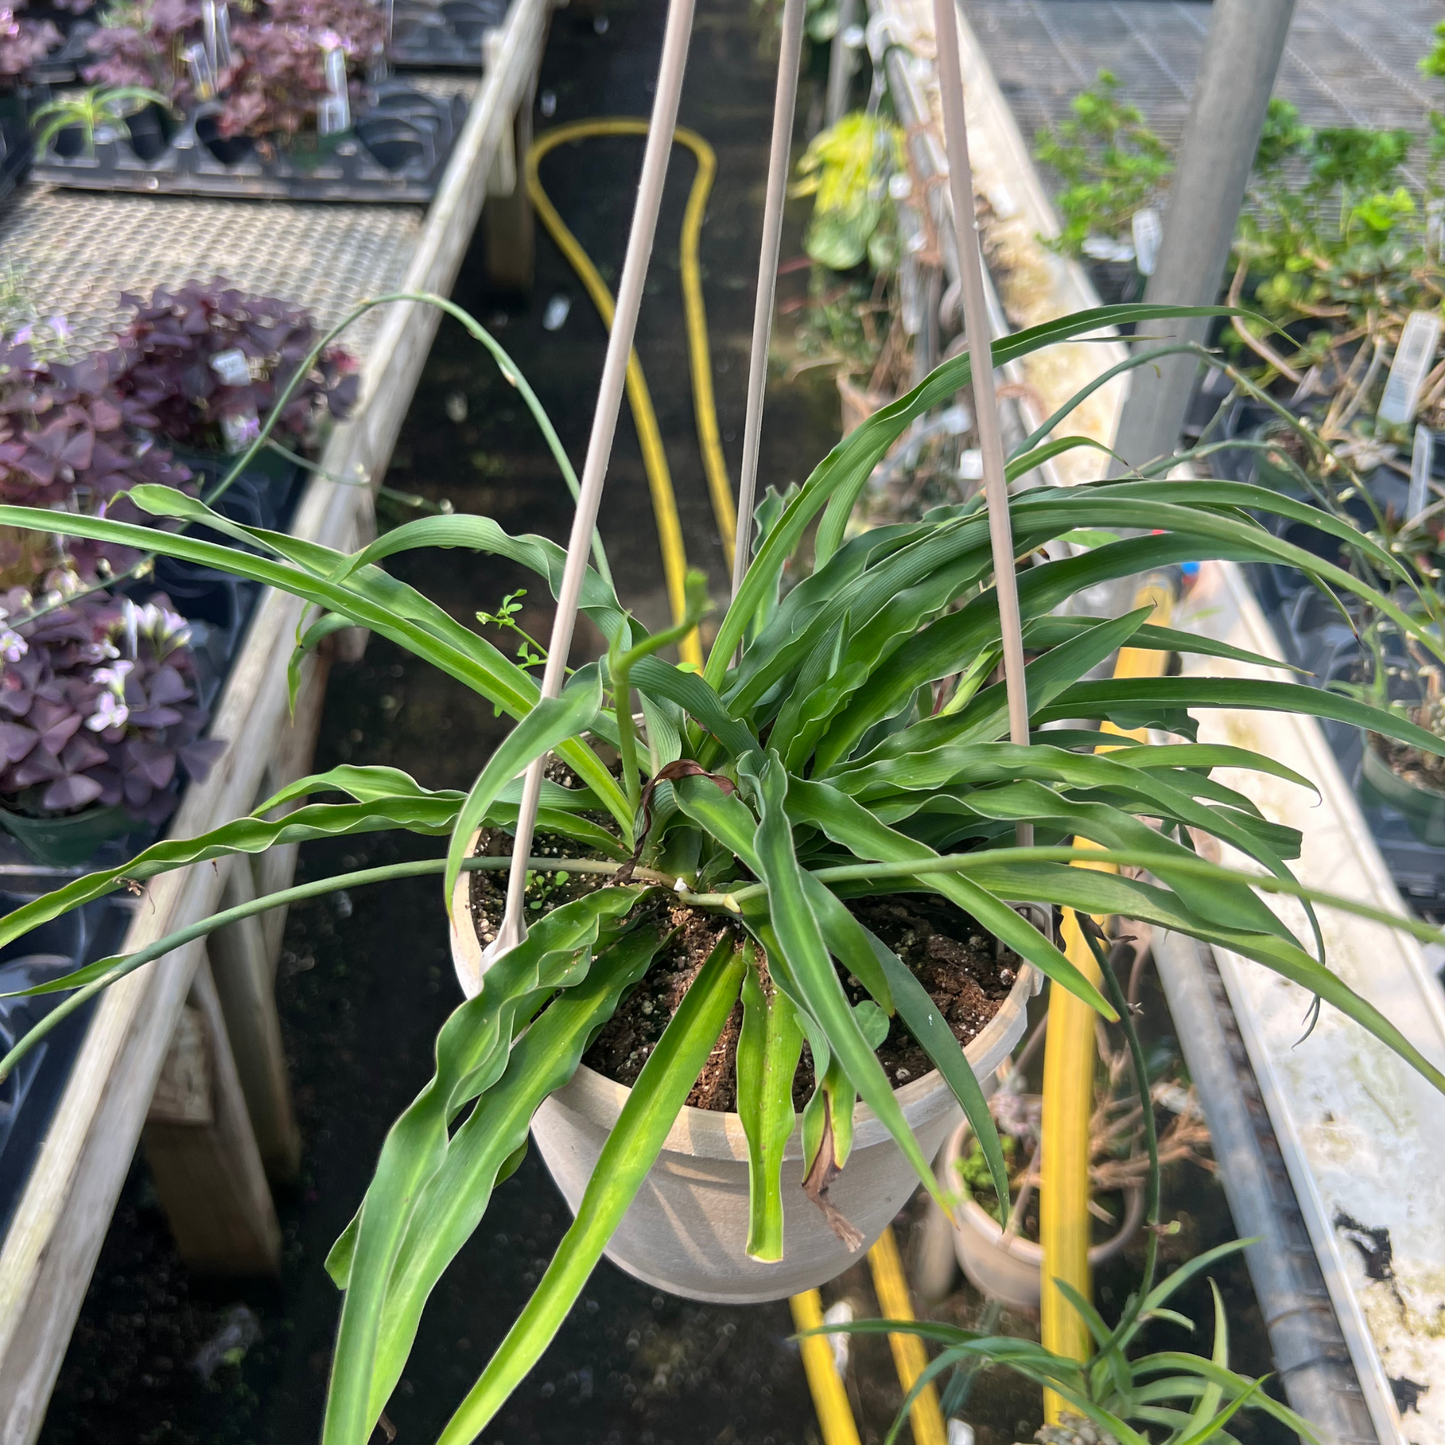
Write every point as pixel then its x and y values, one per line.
pixel 1011 1270
pixel 1423 806
pixel 686 1231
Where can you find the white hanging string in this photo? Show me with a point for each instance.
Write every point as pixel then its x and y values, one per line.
pixel 784 103
pixel 977 329
pixel 599 445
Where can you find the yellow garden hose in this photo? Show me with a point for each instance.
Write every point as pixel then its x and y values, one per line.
pixel 830 1399
pixel 1069 1089
pixel 910 1359
pixel 654 456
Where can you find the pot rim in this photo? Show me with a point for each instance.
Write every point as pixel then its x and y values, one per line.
pixel 970 1217
pixel 713 1134
pixel 1374 758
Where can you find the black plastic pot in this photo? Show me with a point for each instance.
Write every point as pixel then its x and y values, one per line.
pixel 150 131
pixel 230 150
pixel 1422 807
pixel 427 34
pixel 395 143
pixel 262 496
pixel 71 143
pixel 30 1094
pixel 71 839
pixel 15 143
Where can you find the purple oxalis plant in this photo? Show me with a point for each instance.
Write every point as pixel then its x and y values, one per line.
pixel 276 75
pixel 69 438
pixel 206 364
pixel 23 41
pixel 99 704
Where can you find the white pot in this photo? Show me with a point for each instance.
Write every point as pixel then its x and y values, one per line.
pixel 686 1231
pixel 1012 1270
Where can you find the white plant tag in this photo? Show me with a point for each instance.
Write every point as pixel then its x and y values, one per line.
pixel 1148 236
pixel 1421 461
pixel 333 115
pixel 1002 201
pixel 203 75
pixel 231 367
pixel 1413 356
pixel 238 432
pixel 1105 248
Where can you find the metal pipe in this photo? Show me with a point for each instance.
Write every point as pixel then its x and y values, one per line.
pixel 840 63
pixel 599 445
pixel 1226 118
pixel 977 328
pixel 784 102
pixel 1311 1359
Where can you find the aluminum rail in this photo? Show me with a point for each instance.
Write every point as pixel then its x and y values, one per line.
pixel 53 1242
pixel 1311 1358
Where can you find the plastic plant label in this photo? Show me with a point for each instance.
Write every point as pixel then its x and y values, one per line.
pixel 203 74
pixel 232 367
pixel 1148 236
pixel 1002 201
pixel 1413 356
pixel 216 34
pixel 1105 248
pixel 1421 462
pixel 333 115
pixel 238 432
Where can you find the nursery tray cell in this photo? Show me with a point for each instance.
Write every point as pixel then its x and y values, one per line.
pixel 15 146
pixel 63 66
pixel 29 1095
pixel 442 33
pixel 1317 638
pixel 397 151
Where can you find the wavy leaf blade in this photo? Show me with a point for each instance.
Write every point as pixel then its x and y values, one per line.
pixel 471 1052
pixel 456 1197
pixel 631 1148
pixel 769 1047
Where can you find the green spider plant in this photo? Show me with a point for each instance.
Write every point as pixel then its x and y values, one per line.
pixel 92 110
pixel 818 757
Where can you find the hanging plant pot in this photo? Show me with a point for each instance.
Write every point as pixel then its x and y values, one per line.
pixel 1423 806
pixel 1011 1270
pixel 686 1230
pixel 67 840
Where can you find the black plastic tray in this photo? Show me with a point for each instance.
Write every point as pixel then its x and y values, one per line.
pixel 28 1098
pixel 397 151
pixel 64 64
pixel 1315 637
pixel 16 148
pixel 445 34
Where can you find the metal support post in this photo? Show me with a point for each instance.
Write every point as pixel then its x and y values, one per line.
pixel 1226 119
